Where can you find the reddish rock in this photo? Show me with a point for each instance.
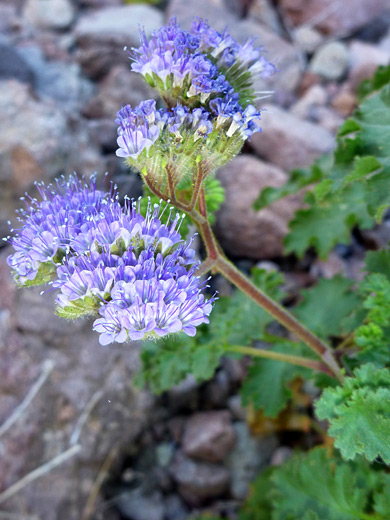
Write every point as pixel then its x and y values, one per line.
pixel 334 17
pixel 84 374
pixel 208 436
pixel 288 141
pixel 242 230
pixel 199 481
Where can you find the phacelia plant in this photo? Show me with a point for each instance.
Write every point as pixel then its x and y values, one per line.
pixel 129 267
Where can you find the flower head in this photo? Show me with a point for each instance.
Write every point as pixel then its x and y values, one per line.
pixel 48 226
pixel 192 67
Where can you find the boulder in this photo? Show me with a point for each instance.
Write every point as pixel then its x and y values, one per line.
pixel 243 231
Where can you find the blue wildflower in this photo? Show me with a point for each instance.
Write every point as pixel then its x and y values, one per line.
pixel 48 226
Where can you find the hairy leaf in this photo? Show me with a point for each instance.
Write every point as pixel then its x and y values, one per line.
pixel 325 306
pixel 266 385
pixel 359 413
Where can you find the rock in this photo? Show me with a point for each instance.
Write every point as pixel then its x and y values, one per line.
pixel 333 17
pixel 216 391
pixel 236 408
pixel 330 61
pixel 365 58
pixel 199 481
pixel 215 11
pixel 208 436
pixel 344 102
pixel 102 34
pixel 9 18
pixel 307 38
pixel 278 51
pixel 306 107
pixel 248 457
pixel 264 12
pixel 184 396
pixel 84 374
pixel 58 80
pixel 290 142
pixel 120 87
pixel 13 66
pixel 281 455
pixel 139 505
pixel 243 231
pixel 175 509
pixel 49 14
pixel 45 147
pixel 329 119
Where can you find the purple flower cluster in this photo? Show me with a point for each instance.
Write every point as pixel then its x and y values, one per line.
pixel 144 126
pixel 140 127
pixel 201 61
pixel 132 270
pixel 49 225
pixel 171 59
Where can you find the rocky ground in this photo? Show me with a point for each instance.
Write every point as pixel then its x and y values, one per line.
pixel 63 76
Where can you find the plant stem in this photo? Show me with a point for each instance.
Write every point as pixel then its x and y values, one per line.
pixel 229 271
pixel 293 360
pixel 225 267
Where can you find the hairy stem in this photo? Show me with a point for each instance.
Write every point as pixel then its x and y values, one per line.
pixel 293 360
pixel 229 271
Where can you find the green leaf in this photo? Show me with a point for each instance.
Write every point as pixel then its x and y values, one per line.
pixel 259 505
pixel 382 498
pixel 325 225
pixel 353 183
pixel 378 262
pixel 266 385
pixel 379 80
pixel 359 413
pixel 325 307
pixel 324 487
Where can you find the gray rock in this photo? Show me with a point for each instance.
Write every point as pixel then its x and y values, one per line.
pixel 217 390
pixel 84 374
pixel 249 456
pixel 199 481
pixel 215 11
pixel 290 142
pixel 208 435
pixel 139 505
pixel 102 34
pixel 184 396
pixel 307 106
pixel 58 80
pixel 330 61
pixel 277 50
pixel 164 453
pixel 264 12
pixel 365 58
pixel 243 231
pixel 37 142
pixel 307 38
pixel 49 14
pixel 175 509
pixel 13 66
pixel 120 87
pixel 333 17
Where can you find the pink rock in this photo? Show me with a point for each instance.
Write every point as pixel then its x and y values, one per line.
pixel 242 230
pixel 208 436
pixel 288 141
pixel 199 481
pixel 334 17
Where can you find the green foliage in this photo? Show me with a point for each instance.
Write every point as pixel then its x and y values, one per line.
pixel 266 386
pixel 168 362
pixel 373 335
pixel 318 486
pixel 352 185
pixel 359 413
pixel 325 307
